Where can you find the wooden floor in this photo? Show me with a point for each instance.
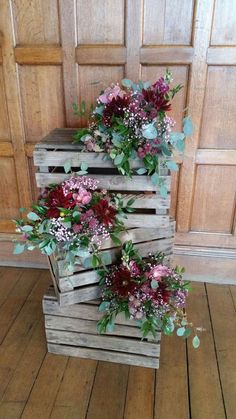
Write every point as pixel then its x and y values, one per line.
pixel 198 384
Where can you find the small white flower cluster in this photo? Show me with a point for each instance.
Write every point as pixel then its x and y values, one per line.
pixel 59 231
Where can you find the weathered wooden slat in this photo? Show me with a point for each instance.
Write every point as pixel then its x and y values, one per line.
pixel 112 343
pixel 88 326
pixel 130 359
pixel 111 182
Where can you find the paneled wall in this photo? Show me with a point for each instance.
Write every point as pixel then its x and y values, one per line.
pixel 56 52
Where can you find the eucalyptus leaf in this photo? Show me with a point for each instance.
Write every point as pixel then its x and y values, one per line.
pixel 18 249
pixel 84 166
pixel 154 284
pixel 127 83
pixel 106 258
pixel 27 228
pixel 155 179
pixel 82 172
pixel 141 171
pixel 99 110
pixel 110 326
pixel 180 331
pixel 33 216
pixel 104 306
pixel 118 159
pixel 172 165
pixel 163 190
pixel 67 166
pixel 187 126
pixel 149 132
pixel 196 342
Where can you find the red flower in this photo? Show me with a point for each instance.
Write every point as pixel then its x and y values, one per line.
pixel 116 107
pixel 105 212
pixel 56 199
pixel 156 99
pixel 162 293
pixel 122 282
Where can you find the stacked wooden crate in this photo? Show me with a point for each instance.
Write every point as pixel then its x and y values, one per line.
pixel 149 226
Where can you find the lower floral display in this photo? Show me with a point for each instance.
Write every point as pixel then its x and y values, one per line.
pixel 148 291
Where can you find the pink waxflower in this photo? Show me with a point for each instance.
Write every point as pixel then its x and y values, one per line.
pixel 111 93
pixel 159 271
pixel 83 196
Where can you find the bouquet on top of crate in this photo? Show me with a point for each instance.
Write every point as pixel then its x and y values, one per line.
pixel 148 291
pixel 130 122
pixel 73 218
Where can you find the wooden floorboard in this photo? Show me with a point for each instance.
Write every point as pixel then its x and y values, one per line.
pixel 190 384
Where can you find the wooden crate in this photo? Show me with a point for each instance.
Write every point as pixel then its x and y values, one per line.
pixel 72 331
pixel 82 284
pixel 55 149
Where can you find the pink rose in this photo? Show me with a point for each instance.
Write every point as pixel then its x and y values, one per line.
pixel 111 93
pixel 159 271
pixel 83 196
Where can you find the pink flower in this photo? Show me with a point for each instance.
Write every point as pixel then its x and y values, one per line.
pixel 93 223
pixel 159 271
pixel 111 93
pixel 83 196
pixel 134 269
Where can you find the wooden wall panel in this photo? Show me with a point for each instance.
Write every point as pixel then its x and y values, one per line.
pixel 224 23
pixel 9 193
pixel 219 112
pixel 4 127
pixel 214 199
pixel 42 100
pixel 100 22
pixel 36 22
pixel 167 22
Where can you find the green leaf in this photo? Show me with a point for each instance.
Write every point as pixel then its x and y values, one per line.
pixel 187 126
pixel 27 228
pixel 106 258
pixel 82 172
pixel 176 136
pixel 196 342
pixel 155 179
pixel 154 284
pixel 187 333
pixel 84 166
pixel 149 132
pixel 115 239
pixel 163 190
pixel 22 209
pixel 18 249
pixel 67 166
pixel 95 261
pixel 172 165
pixel 104 306
pixel 118 159
pixel 83 252
pixel 127 83
pixel 110 326
pixel 184 322
pixel 141 171
pixel 33 216
pixel 146 84
pixel 180 331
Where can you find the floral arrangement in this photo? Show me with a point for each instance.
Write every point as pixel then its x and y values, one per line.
pixel 72 218
pixel 131 123
pixel 148 291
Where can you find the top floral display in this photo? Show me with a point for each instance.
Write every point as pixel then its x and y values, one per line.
pixel 131 123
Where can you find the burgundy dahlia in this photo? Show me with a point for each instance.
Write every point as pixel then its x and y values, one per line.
pixel 56 199
pixel 105 212
pixel 116 107
pixel 122 283
pixel 156 100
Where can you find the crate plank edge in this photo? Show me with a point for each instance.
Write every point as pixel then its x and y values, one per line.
pixel 72 331
pixel 82 284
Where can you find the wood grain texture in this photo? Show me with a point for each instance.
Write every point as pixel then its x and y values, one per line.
pixel 214 204
pixel 205 391
pixel 36 22
pixel 9 206
pixel 4 123
pixel 38 55
pixel 168 14
pixel 100 55
pixel 42 100
pixel 224 21
pixel 106 21
pixel 218 131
